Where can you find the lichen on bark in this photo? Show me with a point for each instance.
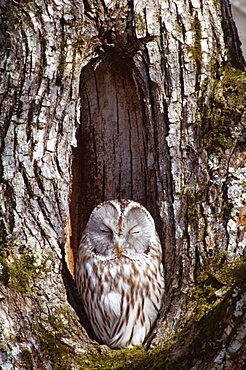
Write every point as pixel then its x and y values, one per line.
pixel 183 104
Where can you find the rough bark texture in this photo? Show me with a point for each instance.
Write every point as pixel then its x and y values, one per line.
pixel 141 100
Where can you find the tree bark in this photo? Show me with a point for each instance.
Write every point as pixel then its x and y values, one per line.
pixel 139 100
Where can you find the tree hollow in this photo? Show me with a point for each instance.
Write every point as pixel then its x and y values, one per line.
pixel 112 159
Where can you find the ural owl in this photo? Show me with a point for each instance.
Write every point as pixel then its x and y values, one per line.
pixel 119 272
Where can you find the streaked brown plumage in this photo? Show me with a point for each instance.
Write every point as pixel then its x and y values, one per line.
pixel 119 272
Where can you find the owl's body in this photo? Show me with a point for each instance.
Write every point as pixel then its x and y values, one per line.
pixel 119 273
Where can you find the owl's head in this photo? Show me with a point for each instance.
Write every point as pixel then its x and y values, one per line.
pixel 120 227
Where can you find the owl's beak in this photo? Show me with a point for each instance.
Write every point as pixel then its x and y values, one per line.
pixel 119 248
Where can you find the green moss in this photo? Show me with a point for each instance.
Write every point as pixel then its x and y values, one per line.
pixel 136 358
pixel 203 334
pixel 198 336
pixel 18 275
pixel 193 201
pixel 22 272
pixel 222 114
pixel 59 354
pixel 63 357
pixel 26 359
pixel 196 50
pixel 204 299
pixel 114 359
pixel 203 337
pixel 213 283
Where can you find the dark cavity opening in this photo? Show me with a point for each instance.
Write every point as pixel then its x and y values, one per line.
pixel 113 158
pixel 120 151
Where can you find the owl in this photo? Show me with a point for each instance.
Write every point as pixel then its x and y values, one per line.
pixel 119 273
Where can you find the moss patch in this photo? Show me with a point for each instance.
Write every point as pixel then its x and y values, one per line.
pixel 196 50
pixel 64 357
pixel 223 113
pixel 59 354
pixel 19 274
pixel 22 273
pixel 27 360
pixel 213 283
pixel 200 336
pixel 188 346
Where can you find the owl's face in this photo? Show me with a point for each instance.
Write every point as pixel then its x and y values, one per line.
pixel 120 227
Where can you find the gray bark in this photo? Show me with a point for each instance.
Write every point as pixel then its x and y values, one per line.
pixel 140 100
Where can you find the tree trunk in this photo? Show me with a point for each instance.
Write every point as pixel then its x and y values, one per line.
pixel 131 99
